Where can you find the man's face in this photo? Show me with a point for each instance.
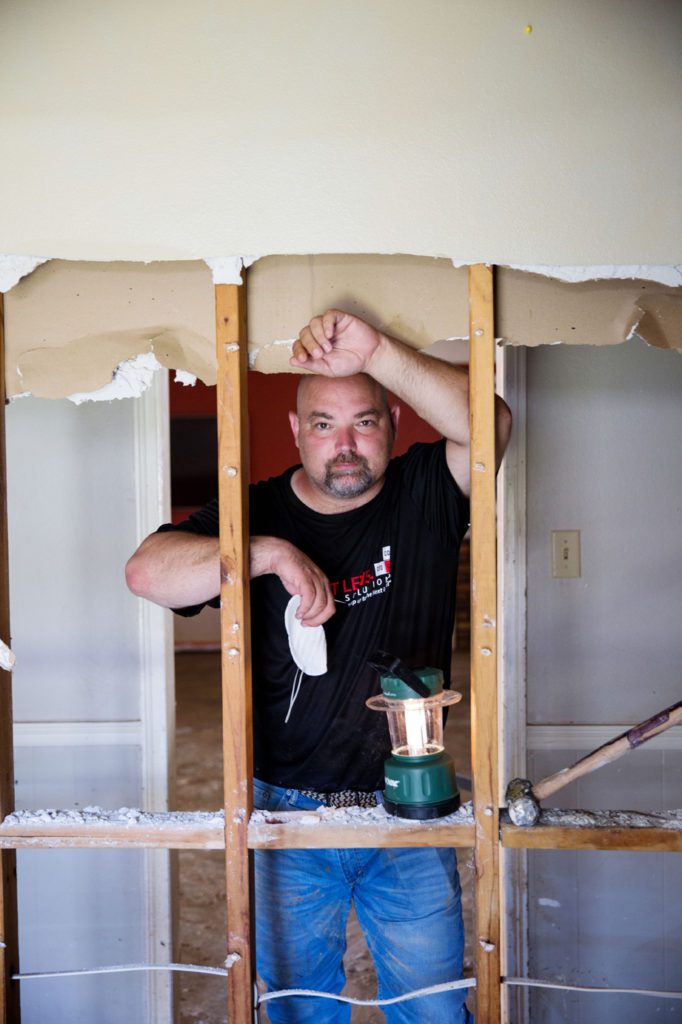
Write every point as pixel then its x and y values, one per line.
pixel 344 431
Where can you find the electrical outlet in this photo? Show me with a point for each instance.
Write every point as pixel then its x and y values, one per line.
pixel 565 554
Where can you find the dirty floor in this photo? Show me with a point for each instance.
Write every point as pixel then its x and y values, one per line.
pixel 200 908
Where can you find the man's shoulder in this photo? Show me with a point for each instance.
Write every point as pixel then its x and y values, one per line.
pixel 421 453
pixel 422 476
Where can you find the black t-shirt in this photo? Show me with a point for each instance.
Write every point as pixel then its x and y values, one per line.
pixel 392 564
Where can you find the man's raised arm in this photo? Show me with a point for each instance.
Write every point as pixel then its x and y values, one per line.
pixel 339 345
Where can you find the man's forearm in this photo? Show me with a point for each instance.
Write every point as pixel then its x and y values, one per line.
pixel 437 391
pixel 175 569
pixel 179 569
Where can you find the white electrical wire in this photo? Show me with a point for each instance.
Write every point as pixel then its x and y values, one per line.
pixel 266 997
pixel 118 968
pixel 536 983
pixel 446 986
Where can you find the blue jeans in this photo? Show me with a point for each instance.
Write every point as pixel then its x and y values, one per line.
pixel 408 903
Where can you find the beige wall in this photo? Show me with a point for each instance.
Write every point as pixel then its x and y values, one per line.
pixel 167 130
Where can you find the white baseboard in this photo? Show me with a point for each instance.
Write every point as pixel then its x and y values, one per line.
pixel 77 734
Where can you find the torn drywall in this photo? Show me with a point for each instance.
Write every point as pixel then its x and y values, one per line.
pixel 7 657
pixel 187 380
pixel 69 326
pixel 13 268
pixel 671 275
pixel 531 309
pixel 415 298
pixel 228 269
pixel 131 379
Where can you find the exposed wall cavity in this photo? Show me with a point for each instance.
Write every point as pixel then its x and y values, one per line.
pixel 77 329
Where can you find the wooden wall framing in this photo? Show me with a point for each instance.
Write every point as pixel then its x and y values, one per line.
pixel 240 835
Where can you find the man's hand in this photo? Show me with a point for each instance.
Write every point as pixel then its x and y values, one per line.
pixel 336 345
pixel 299 575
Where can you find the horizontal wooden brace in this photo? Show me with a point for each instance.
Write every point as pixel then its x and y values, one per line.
pixel 609 837
pixel 351 827
pixel 169 835
pixel 325 828
pixel 290 830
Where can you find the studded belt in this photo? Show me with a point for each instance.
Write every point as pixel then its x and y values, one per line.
pixel 345 798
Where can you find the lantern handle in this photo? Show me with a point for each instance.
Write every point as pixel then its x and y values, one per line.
pixel 390 665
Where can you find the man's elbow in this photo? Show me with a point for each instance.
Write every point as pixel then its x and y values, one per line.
pixel 138 577
pixel 504 417
pixel 503 426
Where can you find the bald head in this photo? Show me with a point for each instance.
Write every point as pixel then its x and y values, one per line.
pixel 312 387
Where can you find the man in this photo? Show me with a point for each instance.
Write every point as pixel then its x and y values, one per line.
pixel 370 544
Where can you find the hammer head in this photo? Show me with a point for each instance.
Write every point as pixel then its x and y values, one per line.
pixel 522 804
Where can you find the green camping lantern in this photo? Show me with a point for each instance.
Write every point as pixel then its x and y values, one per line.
pixel 419 775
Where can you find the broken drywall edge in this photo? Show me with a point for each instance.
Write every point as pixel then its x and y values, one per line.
pixel 131 379
pixel 7 657
pixel 228 269
pixel 185 378
pixel 13 268
pixel 170 313
pixel 256 353
pixel 669 275
pixel 450 350
pixel 56 372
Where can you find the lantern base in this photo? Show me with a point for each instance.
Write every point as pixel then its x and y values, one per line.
pixel 422 812
pixel 420 787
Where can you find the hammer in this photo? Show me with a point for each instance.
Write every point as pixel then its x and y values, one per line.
pixel 523 798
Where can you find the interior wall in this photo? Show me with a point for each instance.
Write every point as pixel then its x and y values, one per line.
pixel 604 428
pixel 79 735
pixel 524 132
pixel 604 652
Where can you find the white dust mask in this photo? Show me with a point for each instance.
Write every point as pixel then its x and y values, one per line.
pixel 308 646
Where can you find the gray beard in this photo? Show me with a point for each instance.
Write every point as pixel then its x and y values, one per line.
pixel 348 486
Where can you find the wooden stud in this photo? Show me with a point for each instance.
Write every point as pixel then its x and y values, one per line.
pixel 484 740
pixel 9 936
pixel 233 484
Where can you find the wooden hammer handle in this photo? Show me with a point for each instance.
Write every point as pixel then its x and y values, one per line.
pixel 610 751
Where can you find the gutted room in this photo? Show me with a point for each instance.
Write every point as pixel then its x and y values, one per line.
pixel 375 309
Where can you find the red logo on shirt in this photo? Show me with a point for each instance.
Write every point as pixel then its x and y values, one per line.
pixel 355 589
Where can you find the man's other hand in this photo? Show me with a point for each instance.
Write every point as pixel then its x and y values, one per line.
pixel 299 575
